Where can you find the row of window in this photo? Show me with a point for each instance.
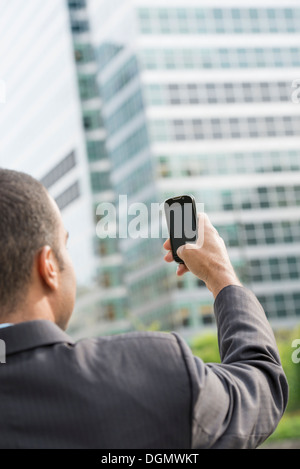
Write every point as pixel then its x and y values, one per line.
pixel 234 235
pixel 121 79
pixel 88 87
pixel 135 143
pixel 210 93
pixel 250 234
pixel 251 198
pixel 185 165
pixel 196 94
pixel 68 196
pixel 254 271
pixel 137 180
pixel 59 170
pixel 189 94
pixel 274 268
pixel 96 150
pixel 227 128
pixel 220 58
pixel 106 52
pixel 124 113
pixel 218 20
pixel 277 305
pixel 248 198
pixel 281 304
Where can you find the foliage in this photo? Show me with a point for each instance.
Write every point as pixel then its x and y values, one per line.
pixel 292 370
pixel 206 347
pixel 288 428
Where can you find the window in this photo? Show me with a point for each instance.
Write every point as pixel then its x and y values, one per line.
pixel 96 150
pixel 125 113
pixel 100 181
pixel 232 128
pixel 77 4
pixel 62 168
pixel 198 93
pixel 92 120
pixel 106 54
pixel 105 246
pixel 110 312
pixel 84 53
pixel 80 26
pixel 216 58
pixel 137 142
pixel 120 80
pixel 88 87
pixel 68 196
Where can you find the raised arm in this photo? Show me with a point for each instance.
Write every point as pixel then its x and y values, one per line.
pixel 238 403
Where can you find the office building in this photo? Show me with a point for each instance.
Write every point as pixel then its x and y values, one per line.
pixel 197 99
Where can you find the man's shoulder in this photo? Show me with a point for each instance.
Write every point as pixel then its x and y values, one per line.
pixel 128 340
pixel 157 353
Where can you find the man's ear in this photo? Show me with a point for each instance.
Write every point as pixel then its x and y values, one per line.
pixel 47 267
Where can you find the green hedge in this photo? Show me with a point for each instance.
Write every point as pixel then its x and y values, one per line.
pixel 205 346
pixel 292 370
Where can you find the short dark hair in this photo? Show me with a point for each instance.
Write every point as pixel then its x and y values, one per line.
pixel 27 223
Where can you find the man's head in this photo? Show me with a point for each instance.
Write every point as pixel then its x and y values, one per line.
pixel 36 274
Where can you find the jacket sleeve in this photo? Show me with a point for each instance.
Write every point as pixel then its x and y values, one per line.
pixel 238 403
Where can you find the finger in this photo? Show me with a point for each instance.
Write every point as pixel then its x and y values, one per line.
pixel 181 270
pixel 167 245
pixel 169 257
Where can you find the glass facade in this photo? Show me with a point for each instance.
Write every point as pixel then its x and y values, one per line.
pixel 218 163
pixel 176 94
pixel 245 20
pixel 220 58
pixel 229 128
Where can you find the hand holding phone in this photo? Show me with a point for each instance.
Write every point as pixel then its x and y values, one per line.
pixel 208 260
pixel 181 216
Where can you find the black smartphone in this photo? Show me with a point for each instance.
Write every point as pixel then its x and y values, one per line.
pixel 181 216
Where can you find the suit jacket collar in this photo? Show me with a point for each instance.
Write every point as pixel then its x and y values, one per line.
pixel 32 334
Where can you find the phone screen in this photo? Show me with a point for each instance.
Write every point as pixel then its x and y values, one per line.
pixel 182 222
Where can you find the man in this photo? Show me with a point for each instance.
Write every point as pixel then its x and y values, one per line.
pixel 135 390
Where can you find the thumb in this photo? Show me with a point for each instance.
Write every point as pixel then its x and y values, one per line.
pixel 180 251
pixel 186 251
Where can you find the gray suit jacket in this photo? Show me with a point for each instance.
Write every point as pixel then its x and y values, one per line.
pixel 143 390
